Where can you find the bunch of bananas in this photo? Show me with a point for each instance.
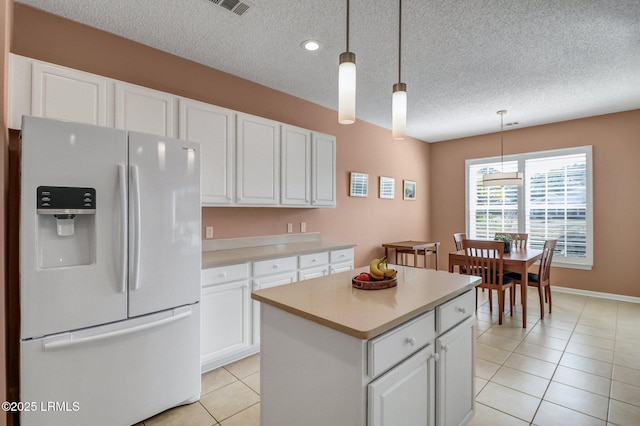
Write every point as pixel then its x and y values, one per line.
pixel 379 269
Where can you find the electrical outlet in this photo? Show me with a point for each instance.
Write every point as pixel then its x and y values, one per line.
pixel 289 227
pixel 303 226
pixel 208 232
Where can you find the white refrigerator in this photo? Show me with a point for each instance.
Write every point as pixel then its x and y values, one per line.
pixel 110 259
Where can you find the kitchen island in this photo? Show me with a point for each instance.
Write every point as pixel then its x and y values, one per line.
pixel 335 355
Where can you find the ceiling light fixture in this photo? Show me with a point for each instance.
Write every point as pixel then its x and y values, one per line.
pixel 502 179
pixel 399 99
pixel 347 83
pixel 311 45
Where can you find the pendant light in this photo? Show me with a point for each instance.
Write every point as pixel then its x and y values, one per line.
pixel 347 83
pixel 502 179
pixel 399 99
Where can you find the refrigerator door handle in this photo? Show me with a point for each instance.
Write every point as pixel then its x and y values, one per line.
pixel 122 181
pixel 135 181
pixel 70 341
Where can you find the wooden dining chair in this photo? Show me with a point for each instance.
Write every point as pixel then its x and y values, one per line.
pixel 542 278
pixel 484 259
pixel 519 239
pixel 457 239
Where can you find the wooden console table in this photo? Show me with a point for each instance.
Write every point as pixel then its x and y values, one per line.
pixel 415 247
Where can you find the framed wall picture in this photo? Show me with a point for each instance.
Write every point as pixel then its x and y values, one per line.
pixel 359 184
pixel 387 187
pixel 409 190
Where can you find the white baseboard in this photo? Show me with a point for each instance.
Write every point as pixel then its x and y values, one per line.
pixel 601 295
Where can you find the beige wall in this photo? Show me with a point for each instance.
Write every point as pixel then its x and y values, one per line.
pixel 616 191
pixel 361 147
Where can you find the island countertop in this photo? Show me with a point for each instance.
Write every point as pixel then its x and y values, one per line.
pixel 332 301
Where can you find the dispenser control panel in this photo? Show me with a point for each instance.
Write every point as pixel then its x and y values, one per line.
pixel 64 200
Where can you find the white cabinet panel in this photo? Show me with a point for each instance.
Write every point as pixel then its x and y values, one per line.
pixel 258 161
pixel 214 129
pixel 323 190
pixel 225 319
pixel 66 94
pixel 295 177
pixel 144 110
pixel 455 385
pixel 405 395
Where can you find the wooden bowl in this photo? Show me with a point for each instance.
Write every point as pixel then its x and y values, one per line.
pixel 374 285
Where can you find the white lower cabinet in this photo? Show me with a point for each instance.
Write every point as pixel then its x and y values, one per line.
pixel 270 273
pixel 455 375
pixel 405 395
pixel 225 308
pixel 231 320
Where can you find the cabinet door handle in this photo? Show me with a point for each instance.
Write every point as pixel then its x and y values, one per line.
pixel 223 274
pixel 276 266
pixel 436 357
pixel 411 341
pixel 461 310
pixel 445 347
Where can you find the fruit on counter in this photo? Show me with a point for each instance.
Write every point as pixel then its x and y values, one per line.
pixel 379 269
pixel 364 276
pixel 376 273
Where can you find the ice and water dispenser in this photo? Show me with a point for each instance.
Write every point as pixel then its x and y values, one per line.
pixel 66 226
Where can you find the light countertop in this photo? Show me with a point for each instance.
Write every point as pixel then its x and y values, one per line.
pixel 246 254
pixel 332 301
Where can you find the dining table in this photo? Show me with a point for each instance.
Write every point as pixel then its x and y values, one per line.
pixel 518 260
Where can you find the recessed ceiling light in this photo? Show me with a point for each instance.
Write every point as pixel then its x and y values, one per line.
pixel 311 45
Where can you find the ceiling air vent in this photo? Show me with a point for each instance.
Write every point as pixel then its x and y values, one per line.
pixel 236 6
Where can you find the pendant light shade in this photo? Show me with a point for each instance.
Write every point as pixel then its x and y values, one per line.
pixel 347 88
pixel 347 83
pixel 502 179
pixel 399 99
pixel 399 108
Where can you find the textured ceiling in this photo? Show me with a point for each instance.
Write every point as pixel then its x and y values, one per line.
pixel 542 60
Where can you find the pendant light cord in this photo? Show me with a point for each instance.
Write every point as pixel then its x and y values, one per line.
pixel 347 25
pixel 400 42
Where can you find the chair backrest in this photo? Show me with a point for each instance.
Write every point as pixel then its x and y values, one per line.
pixel 457 238
pixel 484 259
pixel 519 239
pixel 545 261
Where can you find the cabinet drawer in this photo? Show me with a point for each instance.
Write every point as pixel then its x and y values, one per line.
pixel 343 255
pixel 314 259
pixel 223 274
pixel 273 266
pixel 392 347
pixel 454 311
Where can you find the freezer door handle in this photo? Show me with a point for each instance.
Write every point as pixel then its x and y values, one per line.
pixel 67 340
pixel 135 183
pixel 122 182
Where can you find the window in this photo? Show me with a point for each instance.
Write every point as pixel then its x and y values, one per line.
pixel 554 202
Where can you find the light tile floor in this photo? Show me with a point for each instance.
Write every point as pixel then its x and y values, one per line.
pixel 579 366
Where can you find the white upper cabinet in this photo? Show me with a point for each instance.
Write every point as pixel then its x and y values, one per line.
pixel 258 160
pixel 295 167
pixel 213 128
pixel 144 110
pixel 246 160
pixel 323 190
pixel 66 94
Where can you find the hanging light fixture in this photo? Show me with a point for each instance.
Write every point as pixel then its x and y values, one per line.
pixel 502 179
pixel 399 99
pixel 347 83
